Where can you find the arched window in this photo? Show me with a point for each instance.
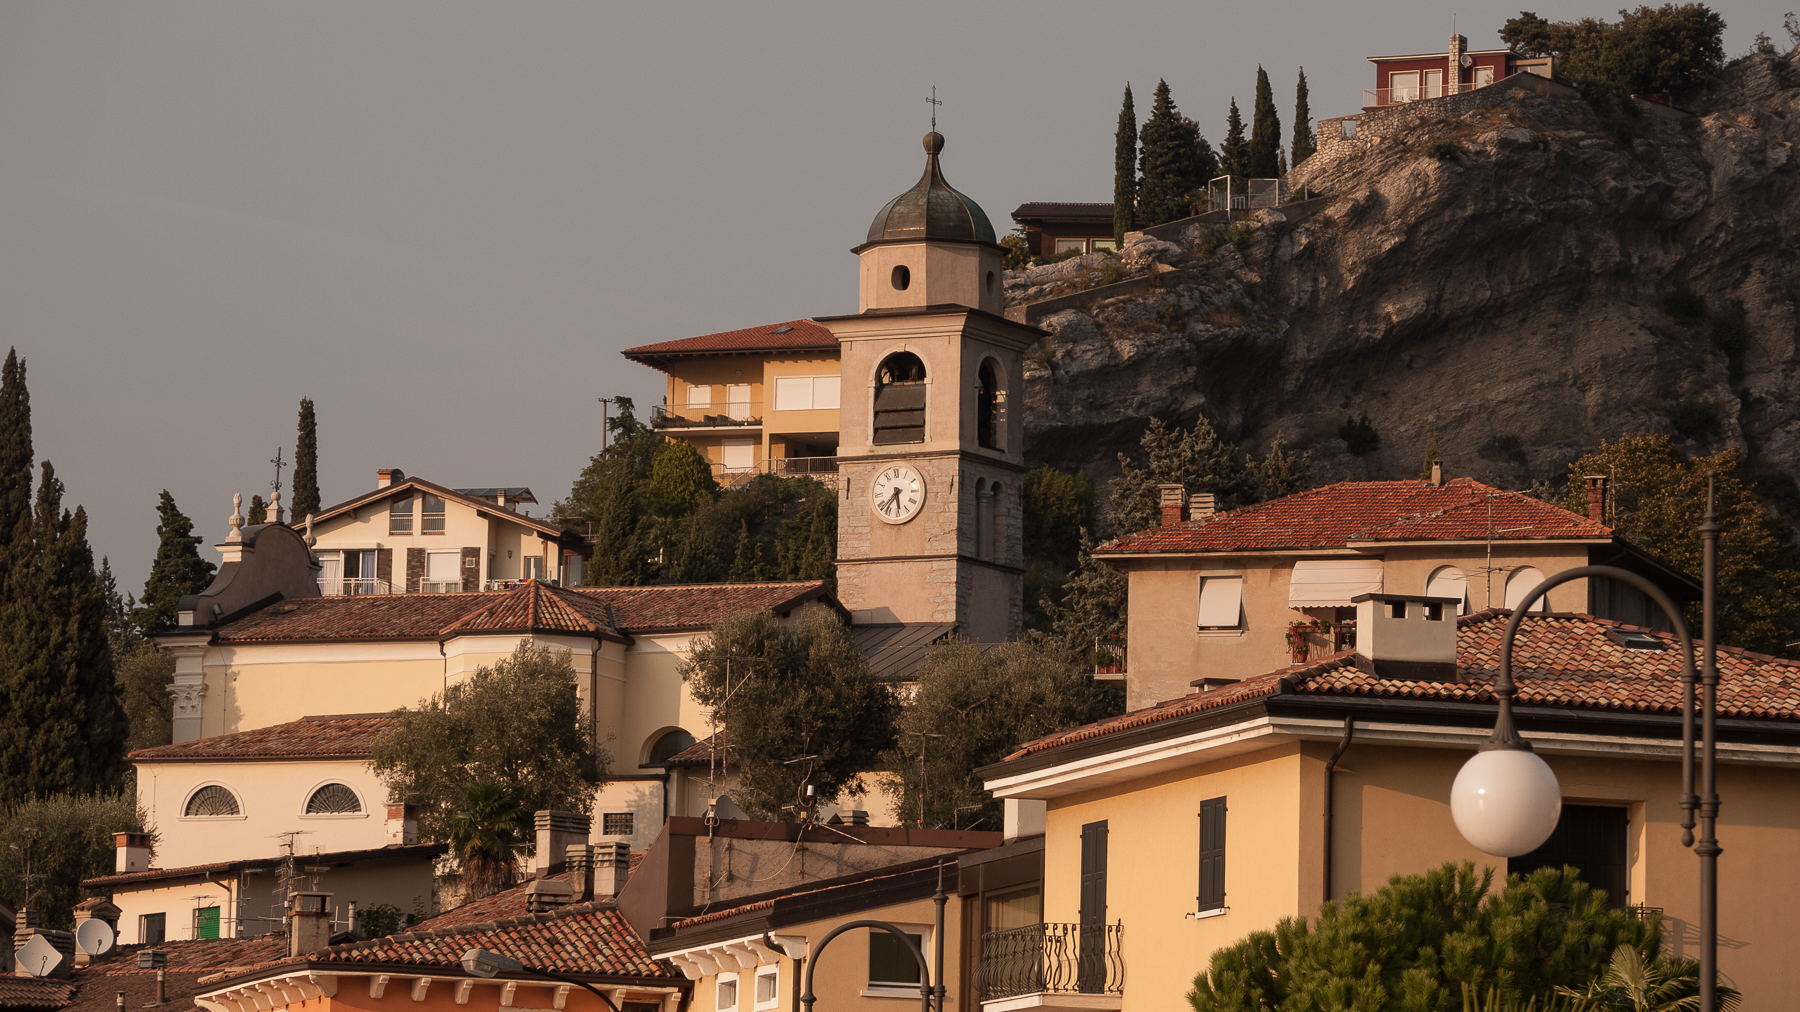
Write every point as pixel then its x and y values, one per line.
pixel 1522 582
pixel 669 743
pixel 990 406
pixel 996 508
pixel 1449 581
pixel 900 399
pixel 333 799
pixel 212 800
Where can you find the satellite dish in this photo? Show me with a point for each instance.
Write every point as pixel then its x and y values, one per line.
pixel 1467 60
pixel 38 957
pixel 94 937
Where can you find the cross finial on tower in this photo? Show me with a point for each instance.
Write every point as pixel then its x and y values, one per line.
pixel 934 107
pixel 275 499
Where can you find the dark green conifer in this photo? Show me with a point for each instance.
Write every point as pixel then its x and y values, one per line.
pixel 1265 130
pixel 177 572
pixel 306 465
pixel 1304 141
pixel 258 513
pixel 746 566
pixel 15 455
pixel 1234 155
pixel 1169 174
pixel 1125 170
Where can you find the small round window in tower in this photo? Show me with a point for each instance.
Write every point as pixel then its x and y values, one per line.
pixel 212 800
pixel 902 278
pixel 333 799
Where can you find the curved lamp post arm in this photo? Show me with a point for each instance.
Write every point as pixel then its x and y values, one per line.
pixel 1506 735
pixel 486 963
pixel 812 960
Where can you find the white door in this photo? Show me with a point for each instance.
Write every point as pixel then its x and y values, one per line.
pixel 1484 76
pixel 737 400
pixel 443 571
pixel 1434 84
pixel 331 573
pixel 740 454
pixel 1403 87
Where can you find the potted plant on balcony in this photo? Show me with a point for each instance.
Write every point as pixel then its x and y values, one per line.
pixel 1297 632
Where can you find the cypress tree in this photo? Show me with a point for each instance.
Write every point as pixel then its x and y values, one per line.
pixel 258 513
pixel 746 566
pixel 1170 176
pixel 178 570
pixel 1305 143
pixel 1265 130
pixel 1125 170
pixel 306 465
pixel 1234 156
pixel 15 456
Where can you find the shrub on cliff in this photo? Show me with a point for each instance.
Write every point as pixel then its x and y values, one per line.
pixel 1669 49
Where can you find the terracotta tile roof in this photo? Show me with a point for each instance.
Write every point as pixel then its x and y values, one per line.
pixel 545 524
pixel 529 607
pixel 98 984
pixel 699 753
pixel 851 885
pixel 1353 512
pixel 798 335
pixel 306 738
pixel 34 993
pixel 1560 660
pixel 590 939
pixel 1058 209
pixel 422 851
pixel 503 904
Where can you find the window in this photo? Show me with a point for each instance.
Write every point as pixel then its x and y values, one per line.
pixel 1212 855
pixel 211 801
pixel 1523 581
pixel 531 567
pixel 1484 76
pixel 806 393
pixel 891 962
pixel 1090 965
pixel 153 929
pixel 1071 245
pixel 1449 581
pixel 727 992
pixel 333 799
pixel 1403 87
pixel 432 515
pixel 615 824
pixel 443 571
pixel 1020 909
pixel 768 987
pixel 1434 84
pixel 572 570
pixel 900 399
pixel 206 922
pixel 737 401
pixel 699 395
pixel 990 406
pixel 1331 583
pixel 1221 602
pixel 400 515
pixel 1593 839
pixel 739 455
pixel 1100 244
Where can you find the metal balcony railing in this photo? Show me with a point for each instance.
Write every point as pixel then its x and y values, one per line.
pixel 354 586
pixel 440 586
pixel 1051 959
pixel 825 469
pixel 729 414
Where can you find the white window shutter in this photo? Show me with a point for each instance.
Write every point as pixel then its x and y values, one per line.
pixel 1221 601
pixel 1331 583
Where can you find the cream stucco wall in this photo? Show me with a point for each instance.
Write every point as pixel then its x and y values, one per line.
pixel 250 903
pixel 504 544
pixel 937 273
pixel 1168 651
pixel 272 797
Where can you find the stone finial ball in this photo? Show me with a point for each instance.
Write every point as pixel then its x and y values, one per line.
pixel 934 142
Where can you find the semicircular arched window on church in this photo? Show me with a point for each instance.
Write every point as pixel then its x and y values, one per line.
pixel 900 399
pixel 212 800
pixel 991 408
pixel 333 799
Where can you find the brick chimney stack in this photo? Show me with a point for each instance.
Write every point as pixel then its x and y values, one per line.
pixel 133 852
pixel 1596 496
pixel 1174 508
pixel 402 824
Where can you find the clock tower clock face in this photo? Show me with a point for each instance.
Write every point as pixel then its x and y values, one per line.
pixel 897 493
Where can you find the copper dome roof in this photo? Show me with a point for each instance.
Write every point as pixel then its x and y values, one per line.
pixel 931 209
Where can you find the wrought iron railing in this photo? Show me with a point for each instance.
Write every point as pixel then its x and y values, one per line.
pixel 1051 959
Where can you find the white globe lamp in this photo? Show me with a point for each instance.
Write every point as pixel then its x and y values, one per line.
pixel 1506 801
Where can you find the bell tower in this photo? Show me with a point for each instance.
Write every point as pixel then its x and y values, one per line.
pixel 931 438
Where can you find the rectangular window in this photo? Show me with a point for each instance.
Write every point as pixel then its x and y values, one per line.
pixel 1100 244
pixel 206 922
pixel 1331 583
pixel 1434 84
pixel 1020 909
pixel 443 573
pixel 615 824
pixel 737 401
pixel 153 929
pixel 1212 855
pixel 806 393
pixel 699 395
pixel 1221 602
pixel 739 455
pixel 572 571
pixel 1484 76
pixel 1071 245
pixel 727 992
pixel 400 516
pixel 825 391
pixel 891 962
pixel 331 572
pixel 432 514
pixel 1593 838
pixel 1403 87
pixel 768 988
pixel 531 567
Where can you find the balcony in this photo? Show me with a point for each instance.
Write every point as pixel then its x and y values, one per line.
pixel 354 586
pixel 1069 967
pixel 429 586
pixel 731 415
pixel 824 469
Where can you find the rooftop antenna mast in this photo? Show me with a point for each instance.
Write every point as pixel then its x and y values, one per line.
pixel 934 106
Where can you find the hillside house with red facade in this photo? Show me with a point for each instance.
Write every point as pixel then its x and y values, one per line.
pixel 1400 79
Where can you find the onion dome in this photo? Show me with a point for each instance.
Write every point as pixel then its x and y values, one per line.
pixel 931 209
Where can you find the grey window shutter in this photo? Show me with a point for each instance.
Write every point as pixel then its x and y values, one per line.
pixel 1212 854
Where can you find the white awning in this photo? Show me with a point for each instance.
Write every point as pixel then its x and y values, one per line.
pixel 1331 583
pixel 1221 601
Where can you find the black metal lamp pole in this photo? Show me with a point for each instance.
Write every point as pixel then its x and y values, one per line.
pixel 1506 734
pixel 927 989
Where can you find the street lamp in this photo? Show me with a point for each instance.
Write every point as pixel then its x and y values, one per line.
pixel 484 963
pixel 927 973
pixel 1506 799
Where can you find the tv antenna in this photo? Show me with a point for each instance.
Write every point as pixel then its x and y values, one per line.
pixel 934 106
pixel 924 736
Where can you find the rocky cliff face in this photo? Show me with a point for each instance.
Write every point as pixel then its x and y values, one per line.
pixel 1498 273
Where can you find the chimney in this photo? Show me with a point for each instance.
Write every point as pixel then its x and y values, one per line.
pixel 1023 817
pixel 548 894
pixel 612 866
pixel 133 852
pixel 1453 74
pixel 1596 493
pixel 1437 474
pixel 1202 506
pixel 556 832
pixel 580 862
pixel 63 942
pixel 1170 499
pixel 403 824
pixel 309 922
pixel 1408 638
pixel 94 908
pixel 385 476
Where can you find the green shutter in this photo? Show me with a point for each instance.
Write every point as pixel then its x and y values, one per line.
pixel 206 922
pixel 1212 854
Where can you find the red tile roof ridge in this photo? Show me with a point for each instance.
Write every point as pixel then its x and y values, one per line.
pixel 309 737
pixel 546 524
pixel 802 333
pixel 469 927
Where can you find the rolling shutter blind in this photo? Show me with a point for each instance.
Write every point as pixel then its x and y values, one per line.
pixel 1212 854
pixel 1331 583
pixel 1221 601
pixel 793 393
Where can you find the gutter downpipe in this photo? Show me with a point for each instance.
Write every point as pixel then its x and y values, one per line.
pixel 1330 774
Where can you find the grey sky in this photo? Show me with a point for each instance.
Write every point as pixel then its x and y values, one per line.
pixel 442 221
